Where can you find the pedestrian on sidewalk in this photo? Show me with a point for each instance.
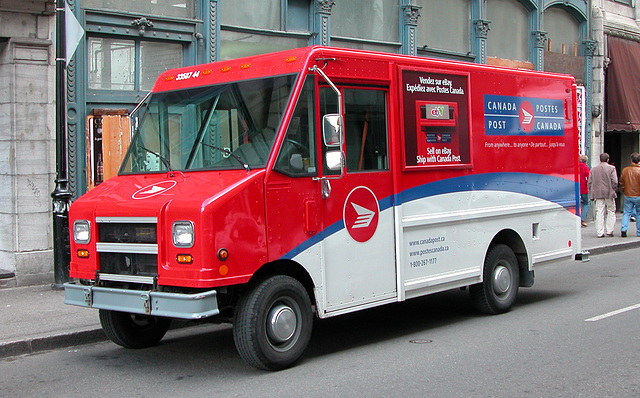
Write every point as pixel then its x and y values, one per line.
pixel 630 185
pixel 602 185
pixel 584 189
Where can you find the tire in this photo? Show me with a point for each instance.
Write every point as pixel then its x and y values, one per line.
pixel 501 278
pixel 132 330
pixel 273 323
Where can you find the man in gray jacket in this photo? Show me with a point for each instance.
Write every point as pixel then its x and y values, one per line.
pixel 603 183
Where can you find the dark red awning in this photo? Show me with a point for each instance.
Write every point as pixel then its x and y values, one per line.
pixel 623 85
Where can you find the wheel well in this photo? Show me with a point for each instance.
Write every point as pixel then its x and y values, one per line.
pixel 285 267
pixel 512 239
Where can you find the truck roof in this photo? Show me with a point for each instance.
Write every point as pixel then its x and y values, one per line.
pixel 295 60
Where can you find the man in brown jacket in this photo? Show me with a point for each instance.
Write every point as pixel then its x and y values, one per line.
pixel 630 183
pixel 602 183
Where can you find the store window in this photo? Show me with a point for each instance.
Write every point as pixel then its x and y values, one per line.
pixel 444 25
pixel 165 8
pixel 120 64
pixel 510 31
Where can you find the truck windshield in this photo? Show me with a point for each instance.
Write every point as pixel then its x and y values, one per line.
pixel 227 126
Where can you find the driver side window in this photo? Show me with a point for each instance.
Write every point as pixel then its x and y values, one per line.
pixel 297 155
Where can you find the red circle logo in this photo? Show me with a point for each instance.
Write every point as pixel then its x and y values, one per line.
pixel 153 190
pixel 361 213
pixel 526 115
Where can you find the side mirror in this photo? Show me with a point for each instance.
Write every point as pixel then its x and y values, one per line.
pixel 334 160
pixel 332 130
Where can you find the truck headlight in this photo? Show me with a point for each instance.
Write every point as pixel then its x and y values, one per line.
pixel 182 233
pixel 81 231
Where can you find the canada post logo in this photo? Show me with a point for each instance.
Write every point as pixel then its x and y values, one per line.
pixel 153 190
pixel 507 115
pixel 361 213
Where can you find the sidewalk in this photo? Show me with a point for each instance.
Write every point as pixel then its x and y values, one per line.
pixel 35 318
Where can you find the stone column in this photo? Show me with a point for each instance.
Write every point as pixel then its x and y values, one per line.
pixel 26 148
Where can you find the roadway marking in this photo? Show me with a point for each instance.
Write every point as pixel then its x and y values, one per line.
pixel 612 313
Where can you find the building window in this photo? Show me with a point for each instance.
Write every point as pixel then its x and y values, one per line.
pixel 378 20
pixel 121 64
pixel 510 31
pixel 563 31
pixel 111 64
pixel 264 14
pixel 444 25
pixel 272 25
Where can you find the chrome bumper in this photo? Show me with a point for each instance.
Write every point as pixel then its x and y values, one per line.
pixel 146 302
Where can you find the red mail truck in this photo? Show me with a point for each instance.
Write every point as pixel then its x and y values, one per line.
pixel 320 181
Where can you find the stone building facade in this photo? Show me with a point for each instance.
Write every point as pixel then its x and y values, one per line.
pixel 27 95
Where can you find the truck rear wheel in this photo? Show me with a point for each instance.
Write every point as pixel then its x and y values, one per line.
pixel 273 323
pixel 499 289
pixel 132 330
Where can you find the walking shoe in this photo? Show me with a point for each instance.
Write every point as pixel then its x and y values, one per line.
pixel 610 235
pixel 633 219
pixel 623 234
pixel 583 223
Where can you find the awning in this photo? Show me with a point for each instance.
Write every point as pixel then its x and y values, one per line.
pixel 623 85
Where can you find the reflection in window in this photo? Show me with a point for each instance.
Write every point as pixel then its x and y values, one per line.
pixel 111 64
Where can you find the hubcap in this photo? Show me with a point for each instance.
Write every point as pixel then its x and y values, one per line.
pixel 501 280
pixel 282 323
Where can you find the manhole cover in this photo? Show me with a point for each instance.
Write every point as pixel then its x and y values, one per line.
pixel 420 341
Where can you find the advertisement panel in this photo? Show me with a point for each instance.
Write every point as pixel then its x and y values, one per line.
pixel 436 118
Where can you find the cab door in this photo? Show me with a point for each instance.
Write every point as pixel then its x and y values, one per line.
pixel 358 250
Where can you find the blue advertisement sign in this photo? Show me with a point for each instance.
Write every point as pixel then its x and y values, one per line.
pixel 507 115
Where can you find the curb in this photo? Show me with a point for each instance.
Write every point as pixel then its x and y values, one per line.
pixel 614 247
pixel 47 343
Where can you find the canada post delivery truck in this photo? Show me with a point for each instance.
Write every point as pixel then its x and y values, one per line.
pixel 315 182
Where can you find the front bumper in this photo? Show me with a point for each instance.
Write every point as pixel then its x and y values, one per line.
pixel 145 302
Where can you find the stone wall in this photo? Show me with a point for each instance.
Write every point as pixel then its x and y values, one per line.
pixel 27 147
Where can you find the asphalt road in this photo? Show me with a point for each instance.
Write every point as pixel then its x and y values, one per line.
pixel 573 334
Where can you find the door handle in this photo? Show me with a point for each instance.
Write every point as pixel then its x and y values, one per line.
pixel 326 188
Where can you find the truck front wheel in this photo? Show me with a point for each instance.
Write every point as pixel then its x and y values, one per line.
pixel 499 289
pixel 273 323
pixel 132 330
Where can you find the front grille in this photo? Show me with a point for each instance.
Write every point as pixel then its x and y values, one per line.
pixel 128 246
pixel 127 233
pixel 129 264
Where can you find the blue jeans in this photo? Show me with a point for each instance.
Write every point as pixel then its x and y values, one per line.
pixel 584 209
pixel 631 208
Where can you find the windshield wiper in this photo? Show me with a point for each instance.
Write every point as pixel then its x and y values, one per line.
pixel 162 158
pixel 228 152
